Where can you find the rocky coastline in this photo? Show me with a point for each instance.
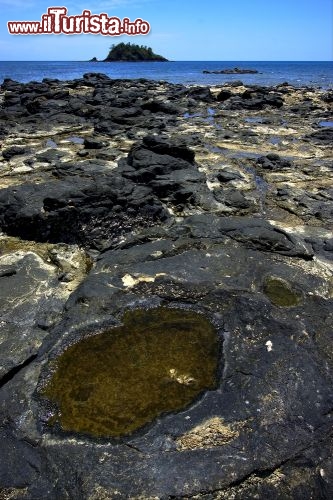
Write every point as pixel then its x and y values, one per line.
pixel 120 195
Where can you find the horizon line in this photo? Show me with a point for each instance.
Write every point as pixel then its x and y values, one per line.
pixel 170 60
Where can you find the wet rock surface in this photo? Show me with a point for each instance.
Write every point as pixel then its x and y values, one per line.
pixel 122 195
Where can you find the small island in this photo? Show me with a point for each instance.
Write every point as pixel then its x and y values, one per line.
pixel 131 52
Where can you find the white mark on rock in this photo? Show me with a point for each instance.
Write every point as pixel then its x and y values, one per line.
pixel 269 345
pixel 129 281
pixel 158 253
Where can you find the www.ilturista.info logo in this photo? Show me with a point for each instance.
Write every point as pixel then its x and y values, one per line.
pixel 56 22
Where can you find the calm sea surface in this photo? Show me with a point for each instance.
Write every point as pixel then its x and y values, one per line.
pixel 319 74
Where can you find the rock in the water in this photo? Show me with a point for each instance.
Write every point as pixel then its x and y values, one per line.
pixel 232 71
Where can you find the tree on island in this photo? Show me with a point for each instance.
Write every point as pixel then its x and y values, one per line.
pixel 132 52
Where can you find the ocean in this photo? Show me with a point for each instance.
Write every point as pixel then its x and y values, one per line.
pixel 318 74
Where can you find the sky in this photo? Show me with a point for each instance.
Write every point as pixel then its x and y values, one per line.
pixel 183 30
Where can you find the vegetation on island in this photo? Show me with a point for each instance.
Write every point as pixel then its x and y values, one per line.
pixel 132 52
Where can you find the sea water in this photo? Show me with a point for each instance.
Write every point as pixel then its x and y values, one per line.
pixel 318 74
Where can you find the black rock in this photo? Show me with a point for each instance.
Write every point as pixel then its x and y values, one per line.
pixel 162 107
pixel 328 245
pixel 324 136
pixel 273 157
pixel 235 83
pixel 11 100
pixel 201 94
pixel 328 97
pixel 162 145
pixel 51 156
pixel 254 233
pixel 272 161
pixel 44 212
pixel 236 199
pixel 96 77
pixel 8 153
pixel 57 94
pixel 9 84
pixel 108 127
pixel 223 95
pixel 226 176
pixel 93 143
pixel 256 98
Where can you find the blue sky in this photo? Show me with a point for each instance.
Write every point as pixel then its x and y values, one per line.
pixel 188 30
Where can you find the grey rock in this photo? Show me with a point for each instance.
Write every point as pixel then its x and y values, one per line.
pixel 29 300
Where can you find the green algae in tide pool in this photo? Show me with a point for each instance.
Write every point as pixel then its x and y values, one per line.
pixel 115 382
pixel 280 293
